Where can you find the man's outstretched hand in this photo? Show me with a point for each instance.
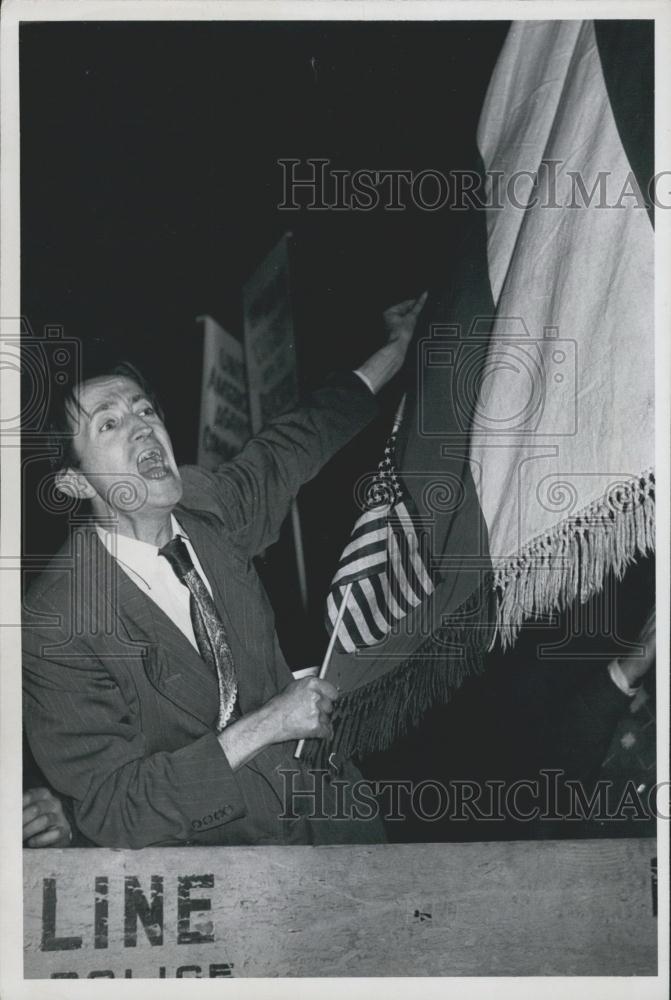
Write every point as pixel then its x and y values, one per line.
pixel 44 821
pixel 399 322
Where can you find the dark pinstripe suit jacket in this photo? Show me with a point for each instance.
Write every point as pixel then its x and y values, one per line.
pixel 120 710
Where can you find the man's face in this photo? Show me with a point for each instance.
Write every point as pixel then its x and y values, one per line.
pixel 124 450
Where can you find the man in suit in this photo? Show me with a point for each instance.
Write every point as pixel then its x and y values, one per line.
pixel 156 696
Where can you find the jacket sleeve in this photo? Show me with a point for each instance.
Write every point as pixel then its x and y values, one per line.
pixel 252 493
pixel 86 738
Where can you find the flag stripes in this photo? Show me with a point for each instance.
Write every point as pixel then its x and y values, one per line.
pixel 386 562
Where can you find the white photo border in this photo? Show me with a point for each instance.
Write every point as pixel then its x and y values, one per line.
pixel 13 12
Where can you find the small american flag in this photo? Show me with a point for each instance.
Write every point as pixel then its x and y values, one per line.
pixel 385 561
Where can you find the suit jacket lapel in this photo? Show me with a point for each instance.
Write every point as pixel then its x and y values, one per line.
pixel 201 537
pixel 206 541
pixel 177 670
pixel 171 663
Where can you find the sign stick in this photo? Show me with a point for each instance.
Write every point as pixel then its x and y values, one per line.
pixel 327 658
pixel 300 556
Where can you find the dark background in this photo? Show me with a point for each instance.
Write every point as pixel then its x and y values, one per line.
pixel 150 186
pixel 149 193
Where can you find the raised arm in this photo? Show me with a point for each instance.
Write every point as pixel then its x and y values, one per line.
pixel 252 493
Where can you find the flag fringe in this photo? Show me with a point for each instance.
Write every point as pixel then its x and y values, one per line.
pixel 371 717
pixel 571 561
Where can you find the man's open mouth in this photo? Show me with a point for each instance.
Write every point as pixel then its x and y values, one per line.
pixel 151 464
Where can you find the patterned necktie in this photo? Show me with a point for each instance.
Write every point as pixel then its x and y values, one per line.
pixel 208 629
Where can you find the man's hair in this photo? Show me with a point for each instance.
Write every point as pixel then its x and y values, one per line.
pixel 64 407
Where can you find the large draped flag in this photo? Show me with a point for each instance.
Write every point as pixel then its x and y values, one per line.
pixel 565 431
pixel 527 445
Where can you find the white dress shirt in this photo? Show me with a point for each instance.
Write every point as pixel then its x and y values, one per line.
pixel 154 575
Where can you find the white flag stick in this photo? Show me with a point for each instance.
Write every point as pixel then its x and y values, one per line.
pixel 327 658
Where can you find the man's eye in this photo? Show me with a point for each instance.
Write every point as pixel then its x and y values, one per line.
pixel 108 425
pixel 147 409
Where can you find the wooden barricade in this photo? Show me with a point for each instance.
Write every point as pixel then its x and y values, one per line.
pixel 483 909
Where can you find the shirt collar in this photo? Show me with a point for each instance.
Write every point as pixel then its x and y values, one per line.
pixel 131 552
